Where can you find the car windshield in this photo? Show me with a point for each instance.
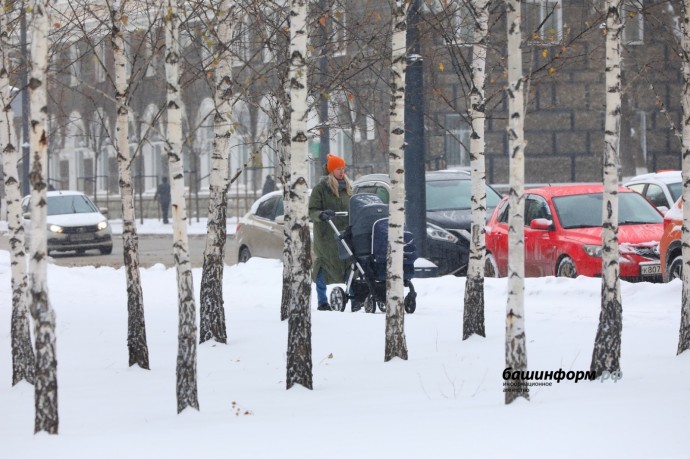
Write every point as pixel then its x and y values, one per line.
pixel 70 204
pixel 676 190
pixel 584 210
pixel 454 194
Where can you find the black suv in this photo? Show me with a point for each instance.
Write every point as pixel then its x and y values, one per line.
pixel 448 214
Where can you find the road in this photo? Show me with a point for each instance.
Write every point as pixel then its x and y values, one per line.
pixel 153 248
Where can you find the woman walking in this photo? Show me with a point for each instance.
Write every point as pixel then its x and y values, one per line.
pixel 330 195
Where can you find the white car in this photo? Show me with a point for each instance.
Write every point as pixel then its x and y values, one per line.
pixel 661 188
pixel 74 223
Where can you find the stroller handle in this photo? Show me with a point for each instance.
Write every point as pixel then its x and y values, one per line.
pixel 342 214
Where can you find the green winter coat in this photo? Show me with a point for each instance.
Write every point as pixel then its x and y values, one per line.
pixel 325 244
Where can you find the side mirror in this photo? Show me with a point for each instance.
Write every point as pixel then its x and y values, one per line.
pixel 27 215
pixel 541 224
pixel 280 219
pixel 104 211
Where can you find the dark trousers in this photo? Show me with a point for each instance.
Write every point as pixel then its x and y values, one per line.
pixel 165 207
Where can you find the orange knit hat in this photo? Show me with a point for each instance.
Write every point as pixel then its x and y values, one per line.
pixel 334 162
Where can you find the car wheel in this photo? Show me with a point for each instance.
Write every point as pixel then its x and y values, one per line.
pixel 675 269
pixel 245 255
pixel 490 267
pixel 106 250
pixel 566 268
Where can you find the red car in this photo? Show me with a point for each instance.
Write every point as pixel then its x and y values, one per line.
pixel 670 244
pixel 563 234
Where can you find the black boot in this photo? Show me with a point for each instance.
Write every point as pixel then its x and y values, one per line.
pixel 324 307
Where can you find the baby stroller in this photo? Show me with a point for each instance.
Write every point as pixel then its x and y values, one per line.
pixel 365 243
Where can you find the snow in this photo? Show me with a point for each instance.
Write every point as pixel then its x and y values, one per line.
pixel 154 226
pixel 446 401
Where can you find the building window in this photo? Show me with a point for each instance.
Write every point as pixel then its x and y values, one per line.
pixel 99 66
pixel 370 128
pixel 462 24
pixel 74 66
pixel 633 22
pixel 151 59
pixel 542 22
pixel 457 141
pixel 339 31
pixel 240 43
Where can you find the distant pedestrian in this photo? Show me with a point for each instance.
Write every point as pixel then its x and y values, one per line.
pixel 269 185
pixel 163 197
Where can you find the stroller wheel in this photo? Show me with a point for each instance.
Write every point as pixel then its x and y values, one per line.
pixel 411 302
pixel 381 305
pixel 338 299
pixel 370 304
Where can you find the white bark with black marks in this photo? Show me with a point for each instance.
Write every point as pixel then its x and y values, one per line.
pixel 516 342
pixel 473 316
pixel 684 333
pixel 607 343
pixel 212 312
pixel 22 350
pixel 45 385
pixel 136 325
pixel 299 358
pixel 396 345
pixel 186 338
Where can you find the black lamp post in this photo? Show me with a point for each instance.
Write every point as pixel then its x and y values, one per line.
pixel 415 146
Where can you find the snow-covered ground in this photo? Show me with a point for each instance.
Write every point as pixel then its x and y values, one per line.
pixel 446 401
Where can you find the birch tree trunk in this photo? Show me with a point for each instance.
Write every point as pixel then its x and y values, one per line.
pixel 299 360
pixel 516 342
pixel 684 334
pixel 212 320
pixel 46 396
pixel 284 160
pixel 186 351
pixel 396 345
pixel 22 351
pixel 473 317
pixel 136 325
pixel 607 343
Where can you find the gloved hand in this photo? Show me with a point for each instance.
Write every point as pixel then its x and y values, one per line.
pixel 326 215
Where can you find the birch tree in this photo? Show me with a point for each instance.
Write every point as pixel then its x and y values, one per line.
pixel 607 343
pixel 473 317
pixel 45 385
pixel 396 345
pixel 684 334
pixel 212 320
pixel 22 350
pixel 136 325
pixel 186 352
pixel 516 342
pixel 299 359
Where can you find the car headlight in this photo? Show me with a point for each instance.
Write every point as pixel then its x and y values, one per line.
pixel 55 229
pixel 592 250
pixel 102 225
pixel 438 233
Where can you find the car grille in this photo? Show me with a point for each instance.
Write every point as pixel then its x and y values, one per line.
pixel 647 252
pixel 80 229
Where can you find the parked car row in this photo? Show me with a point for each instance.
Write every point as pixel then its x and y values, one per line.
pixel 562 226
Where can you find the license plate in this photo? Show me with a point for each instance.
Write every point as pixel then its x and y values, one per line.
pixel 82 237
pixel 652 269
